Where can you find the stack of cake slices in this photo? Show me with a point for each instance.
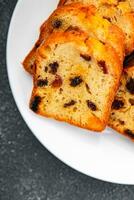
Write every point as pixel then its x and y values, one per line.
pixel 77 65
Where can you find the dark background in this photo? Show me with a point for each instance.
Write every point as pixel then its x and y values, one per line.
pixel 27 170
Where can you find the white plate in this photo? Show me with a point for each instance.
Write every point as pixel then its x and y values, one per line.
pixel 107 156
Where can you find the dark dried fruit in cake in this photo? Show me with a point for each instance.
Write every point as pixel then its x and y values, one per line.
pixel 129 133
pixel 70 103
pixel 53 67
pixel 130 85
pixel 57 23
pixel 42 82
pixel 57 82
pixel 117 104
pixel 91 105
pixel 131 101
pixel 103 66
pixel 77 80
pixel 86 57
pixel 34 105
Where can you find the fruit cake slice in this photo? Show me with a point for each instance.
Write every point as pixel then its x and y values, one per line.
pixel 117 12
pixel 76 78
pixel 122 115
pixel 84 17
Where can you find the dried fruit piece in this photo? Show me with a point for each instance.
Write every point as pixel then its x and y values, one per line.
pixel 60 90
pixel 130 85
pixel 76 81
pixel 33 66
pixel 129 133
pixel 117 104
pixel 71 103
pixel 35 103
pixel 87 88
pixel 73 28
pixel 107 18
pixel 53 67
pixel 57 23
pixel 102 65
pixel 37 45
pixel 85 57
pixel 46 69
pixel 42 82
pixel 128 59
pixel 121 122
pixel 57 82
pixel 131 101
pixel 91 105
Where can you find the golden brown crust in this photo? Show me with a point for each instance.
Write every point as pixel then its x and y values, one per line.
pixel 85 18
pixel 95 123
pixel 29 60
pixel 98 51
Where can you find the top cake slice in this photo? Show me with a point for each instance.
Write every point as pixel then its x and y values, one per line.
pixel 75 80
pixel 120 13
pixel 82 17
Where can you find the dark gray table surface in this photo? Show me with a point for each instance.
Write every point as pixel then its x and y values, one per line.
pixel 27 170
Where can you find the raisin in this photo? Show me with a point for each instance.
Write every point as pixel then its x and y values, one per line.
pixel 117 104
pixel 128 59
pixel 91 105
pixel 102 42
pixel 131 101
pixel 46 69
pixel 130 86
pixel 70 103
pixel 42 82
pixel 76 81
pixel 85 57
pixel 57 23
pixel 57 82
pixel 60 90
pixel 53 67
pixel 129 133
pixel 33 66
pixel 37 45
pixel 73 28
pixel 103 67
pixel 107 18
pixel 87 88
pixel 121 122
pixel 35 103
